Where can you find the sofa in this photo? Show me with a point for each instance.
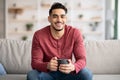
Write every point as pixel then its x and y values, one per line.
pixel 103 59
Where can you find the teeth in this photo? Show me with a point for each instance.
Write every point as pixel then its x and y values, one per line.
pixel 58 24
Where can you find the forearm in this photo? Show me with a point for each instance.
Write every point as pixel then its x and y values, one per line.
pixel 40 66
pixel 80 64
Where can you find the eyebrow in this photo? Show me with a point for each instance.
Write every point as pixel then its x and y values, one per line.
pixel 58 15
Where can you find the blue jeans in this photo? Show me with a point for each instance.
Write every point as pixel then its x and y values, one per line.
pixel 2 70
pixel 84 74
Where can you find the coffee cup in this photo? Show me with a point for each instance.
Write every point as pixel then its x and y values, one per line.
pixel 62 61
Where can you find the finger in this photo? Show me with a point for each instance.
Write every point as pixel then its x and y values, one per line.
pixel 53 68
pixel 53 63
pixel 54 58
pixel 64 71
pixel 69 60
pixel 64 65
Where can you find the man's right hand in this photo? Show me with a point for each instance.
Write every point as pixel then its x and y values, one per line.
pixel 52 65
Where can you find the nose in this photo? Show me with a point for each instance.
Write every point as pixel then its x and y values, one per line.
pixel 59 18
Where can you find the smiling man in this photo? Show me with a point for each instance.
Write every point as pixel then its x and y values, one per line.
pixel 55 42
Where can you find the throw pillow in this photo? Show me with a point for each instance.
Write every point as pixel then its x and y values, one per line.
pixel 2 70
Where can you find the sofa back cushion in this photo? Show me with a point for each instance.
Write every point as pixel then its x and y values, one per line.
pixel 103 56
pixel 15 55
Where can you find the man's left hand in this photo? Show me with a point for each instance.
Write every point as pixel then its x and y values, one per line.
pixel 67 68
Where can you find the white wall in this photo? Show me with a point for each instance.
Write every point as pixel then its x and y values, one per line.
pixel 36 11
pixel 2 19
pixel 118 19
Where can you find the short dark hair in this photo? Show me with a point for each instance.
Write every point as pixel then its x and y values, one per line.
pixel 57 5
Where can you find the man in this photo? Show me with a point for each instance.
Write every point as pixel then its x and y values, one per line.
pixel 58 41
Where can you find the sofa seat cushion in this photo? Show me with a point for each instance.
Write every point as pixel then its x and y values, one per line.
pixel 95 77
pixel 106 77
pixel 13 77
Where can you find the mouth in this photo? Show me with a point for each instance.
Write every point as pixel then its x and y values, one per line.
pixel 58 24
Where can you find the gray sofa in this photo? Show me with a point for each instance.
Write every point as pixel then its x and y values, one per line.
pixel 103 59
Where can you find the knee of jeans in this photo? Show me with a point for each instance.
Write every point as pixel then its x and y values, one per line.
pixel 44 76
pixel 86 73
pixel 32 75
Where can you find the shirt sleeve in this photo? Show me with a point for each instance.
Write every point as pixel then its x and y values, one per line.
pixel 37 55
pixel 79 52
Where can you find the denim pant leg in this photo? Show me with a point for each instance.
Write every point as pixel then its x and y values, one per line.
pixel 2 70
pixel 84 74
pixel 36 75
pixel 57 75
pixel 32 75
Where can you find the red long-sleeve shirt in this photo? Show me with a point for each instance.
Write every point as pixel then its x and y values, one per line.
pixel 44 47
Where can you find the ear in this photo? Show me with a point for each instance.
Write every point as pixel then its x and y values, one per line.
pixel 49 18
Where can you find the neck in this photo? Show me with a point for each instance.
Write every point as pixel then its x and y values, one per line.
pixel 57 34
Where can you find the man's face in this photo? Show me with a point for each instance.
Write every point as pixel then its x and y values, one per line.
pixel 57 19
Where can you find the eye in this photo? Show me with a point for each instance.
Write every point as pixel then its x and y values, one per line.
pixel 54 16
pixel 63 16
